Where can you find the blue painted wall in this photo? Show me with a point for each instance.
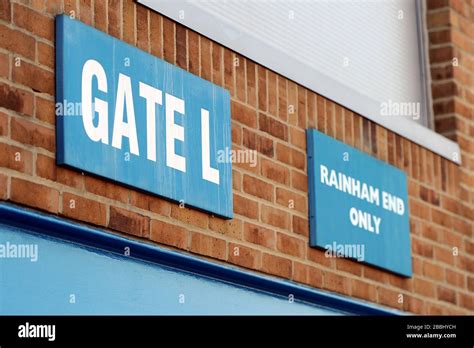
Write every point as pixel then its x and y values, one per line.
pixel 388 246
pixel 104 283
pixel 77 43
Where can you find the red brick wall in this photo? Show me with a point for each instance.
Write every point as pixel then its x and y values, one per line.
pixel 267 234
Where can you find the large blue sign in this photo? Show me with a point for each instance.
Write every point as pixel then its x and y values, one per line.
pixel 128 116
pixel 358 205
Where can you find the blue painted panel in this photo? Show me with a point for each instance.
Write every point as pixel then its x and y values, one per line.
pixel 372 228
pixel 106 283
pixel 81 49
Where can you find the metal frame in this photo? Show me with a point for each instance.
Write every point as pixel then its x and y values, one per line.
pixel 63 229
pixel 282 63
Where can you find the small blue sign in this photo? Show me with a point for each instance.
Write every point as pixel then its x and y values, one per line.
pixel 126 115
pixel 358 205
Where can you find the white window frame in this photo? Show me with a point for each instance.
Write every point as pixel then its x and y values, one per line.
pixel 285 65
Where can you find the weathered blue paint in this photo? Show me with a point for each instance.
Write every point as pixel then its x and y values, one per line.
pixel 340 217
pixel 149 281
pixel 82 54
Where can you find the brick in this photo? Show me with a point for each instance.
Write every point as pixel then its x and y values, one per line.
pixel 422 248
pixel 151 203
pixel 231 228
pixel 85 11
pixel 206 64
pixel 262 88
pixel 114 18
pixel 128 22
pixel 290 245
pixel 275 217
pixel 455 278
pixel 283 153
pixel 282 98
pixel 16 158
pixel 169 234
pixel 437 19
pixel 413 305
pixel 246 207
pixel 250 70
pixel 337 283
pixel 292 107
pixel 349 266
pixel 5 10
pixel 244 161
pixel 34 195
pixel 291 200
pixel 363 290
pixel 45 110
pixel 156 35
pixel 33 22
pixel 46 54
pixel 244 114
pixel 27 132
pixel 276 265
pixel 258 188
pixel 318 256
pixel 236 133
pixel 446 295
pixel 440 54
pixel 298 159
pixel 4 65
pixel 272 126
pixel 300 272
pixel 299 181
pixel 189 216
pixel 315 277
pixel 302 109
pixel 236 180
pixel 3 186
pixel 168 40
pixel 70 6
pixel 106 189
pixel 244 256
pixel 229 71
pixel 100 15
pixel 209 246
pixel 142 29
pixel 388 297
pixel 470 284
pixel 275 172
pixel 433 271
pixel 300 226
pixel 217 64
pixel 257 142
pixel 466 301
pixel 298 138
pixel 129 222
pixel 36 78
pixel 240 78
pixel 3 124
pixel 16 99
pixel 443 255
pixel 46 168
pixel 83 209
pixel 424 287
pixel 17 42
pixel 400 282
pixel 272 92
pixel 259 235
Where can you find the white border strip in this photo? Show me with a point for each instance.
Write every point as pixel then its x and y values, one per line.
pixel 228 35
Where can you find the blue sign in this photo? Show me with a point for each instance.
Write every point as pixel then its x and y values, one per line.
pixel 126 115
pixel 358 205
